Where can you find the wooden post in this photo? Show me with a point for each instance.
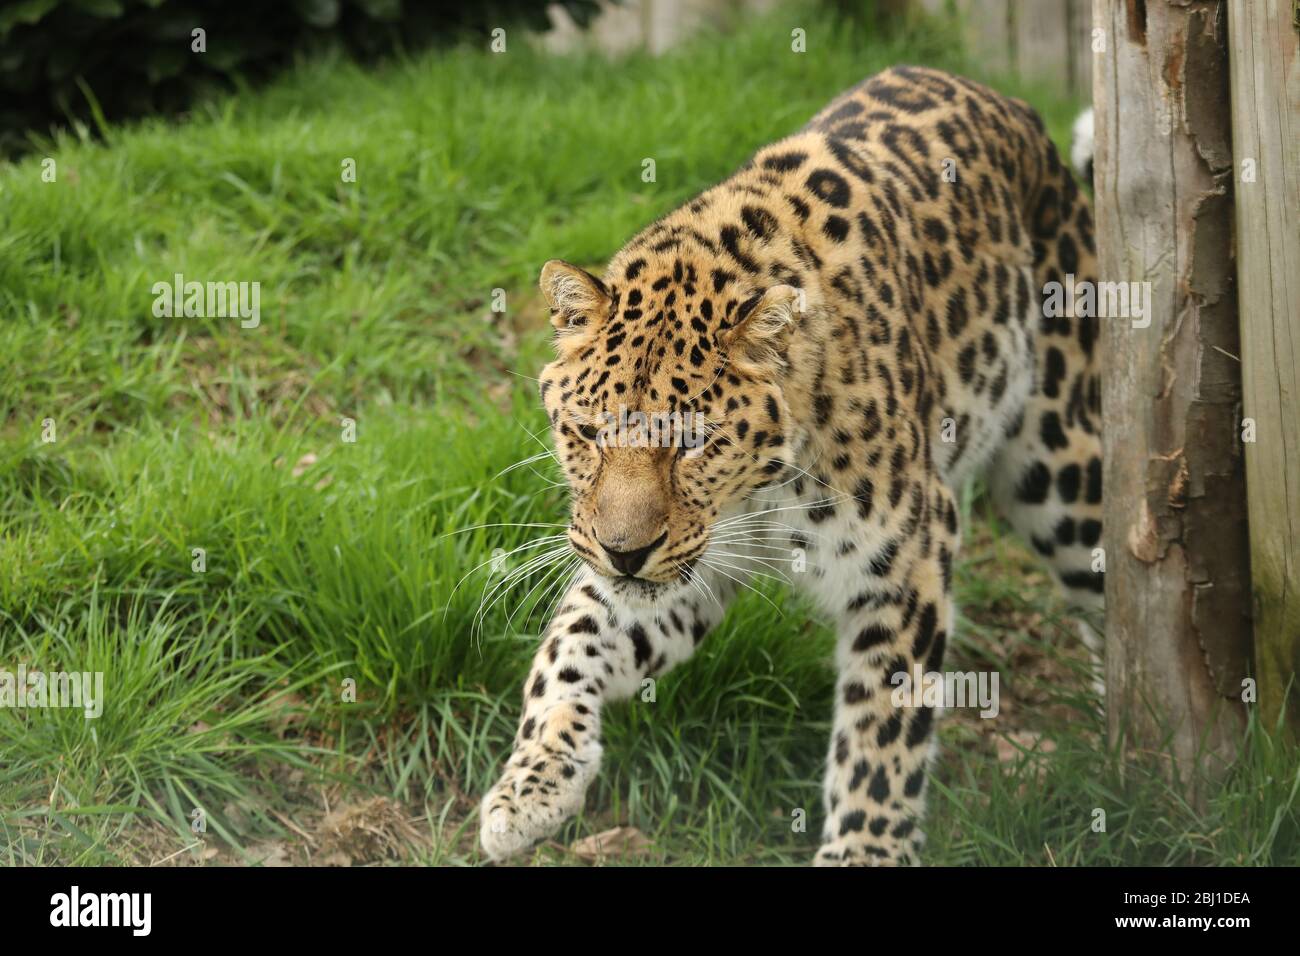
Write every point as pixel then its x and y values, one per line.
pixel 1265 71
pixel 1177 586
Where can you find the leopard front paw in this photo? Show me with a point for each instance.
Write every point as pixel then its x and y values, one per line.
pixel 851 852
pixel 541 787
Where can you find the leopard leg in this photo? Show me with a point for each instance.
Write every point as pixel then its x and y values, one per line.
pixel 1046 480
pixel 898 616
pixel 595 649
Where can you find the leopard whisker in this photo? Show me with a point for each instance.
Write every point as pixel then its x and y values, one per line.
pixel 783 541
pixel 507 584
pixel 743 584
pixel 508 524
pixel 752 557
pixel 782 578
pixel 525 462
pixel 547 578
pixel 489 598
pixel 705 587
pixel 567 579
pixel 549 539
pixel 821 503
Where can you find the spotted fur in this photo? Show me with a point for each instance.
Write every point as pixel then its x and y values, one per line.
pixel 857 316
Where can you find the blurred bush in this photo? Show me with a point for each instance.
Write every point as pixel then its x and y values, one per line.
pixel 66 59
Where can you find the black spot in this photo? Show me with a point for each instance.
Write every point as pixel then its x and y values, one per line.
pixel 1051 432
pixel 1047 217
pixel 640 643
pixel 863 494
pixel 830 187
pixel 784 162
pixel 873 635
pixel 1065 532
pixel 853 822
pixel 846 110
pixel 836 228
pixel 920 729
pixel 860 771
pixel 821 513
pixel 957 313
pixel 935 230
pixel 1067 254
pixel 822 404
pixel 878 789
pixel 966 364
pixel 1054 373
pixel 698 630
pixel 883 562
pixel 915 781
pixel 748 306
pixel 925 630
pixel 1089 532
pixel 889 731
pixel 1085 580
pixel 1034 484
pixel 760 223
pixel 1067 483
pixel 584 625
pixel 1093 494
pixel 730 237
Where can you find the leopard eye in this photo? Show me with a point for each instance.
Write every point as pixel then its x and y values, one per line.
pixel 695 450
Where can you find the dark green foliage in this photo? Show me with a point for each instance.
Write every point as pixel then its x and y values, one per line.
pixel 74 59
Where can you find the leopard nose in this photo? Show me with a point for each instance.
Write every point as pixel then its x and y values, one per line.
pixel 630 562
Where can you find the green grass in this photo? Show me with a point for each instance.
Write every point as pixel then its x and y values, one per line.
pixel 226 686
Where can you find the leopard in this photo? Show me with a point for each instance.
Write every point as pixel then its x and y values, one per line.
pixel 855 321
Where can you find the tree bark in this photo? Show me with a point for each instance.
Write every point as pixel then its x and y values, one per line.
pixel 1265 71
pixel 1177 558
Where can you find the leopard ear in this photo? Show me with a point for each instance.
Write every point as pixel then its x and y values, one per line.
pixel 762 323
pixel 576 297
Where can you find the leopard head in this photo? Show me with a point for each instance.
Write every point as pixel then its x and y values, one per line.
pixel 667 407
